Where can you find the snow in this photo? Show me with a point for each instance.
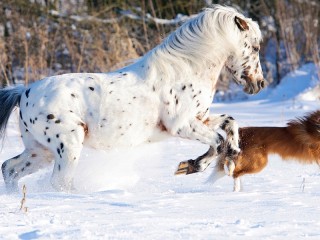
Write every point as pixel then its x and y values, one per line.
pixel 133 194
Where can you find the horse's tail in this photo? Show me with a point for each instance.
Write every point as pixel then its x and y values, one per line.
pixel 9 99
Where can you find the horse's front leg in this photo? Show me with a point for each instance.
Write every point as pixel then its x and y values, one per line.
pixel 231 146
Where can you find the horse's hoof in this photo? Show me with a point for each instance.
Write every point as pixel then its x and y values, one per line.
pixel 186 167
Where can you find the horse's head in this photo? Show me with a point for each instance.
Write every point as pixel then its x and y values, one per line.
pixel 243 62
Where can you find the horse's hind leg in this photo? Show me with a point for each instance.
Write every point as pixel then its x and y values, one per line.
pixel 33 158
pixel 67 148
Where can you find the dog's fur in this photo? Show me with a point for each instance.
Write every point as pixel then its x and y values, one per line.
pixel 299 140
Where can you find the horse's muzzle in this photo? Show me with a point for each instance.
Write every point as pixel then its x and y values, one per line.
pixel 253 88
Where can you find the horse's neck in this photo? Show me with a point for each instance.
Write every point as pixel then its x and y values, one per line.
pixel 171 72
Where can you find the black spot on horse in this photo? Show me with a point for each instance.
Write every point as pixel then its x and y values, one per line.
pixel 11 172
pixel 28 164
pixel 27 104
pixel 219 149
pixel 27 93
pixel 230 152
pixel 91 88
pixel 3 167
pixel 223 126
pixel 22 169
pixel 20 115
pixel 183 87
pixel 177 101
pixel 61 145
pixel 48 140
pixel 58 121
pixel 72 95
pixel 125 74
pixel 57 135
pixel 50 116
pixel 25 124
pixel 47 128
pixel 59 167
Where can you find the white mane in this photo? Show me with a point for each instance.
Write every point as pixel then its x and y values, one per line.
pixel 199 43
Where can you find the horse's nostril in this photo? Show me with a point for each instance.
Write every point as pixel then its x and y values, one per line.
pixel 262 84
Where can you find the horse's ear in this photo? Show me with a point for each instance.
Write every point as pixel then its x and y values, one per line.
pixel 242 24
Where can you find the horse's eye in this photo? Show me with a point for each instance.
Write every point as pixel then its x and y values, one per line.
pixel 256 49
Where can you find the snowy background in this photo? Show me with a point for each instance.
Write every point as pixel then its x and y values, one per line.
pixel 133 193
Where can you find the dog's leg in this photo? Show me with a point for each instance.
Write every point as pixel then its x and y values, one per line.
pixel 237 184
pixel 229 167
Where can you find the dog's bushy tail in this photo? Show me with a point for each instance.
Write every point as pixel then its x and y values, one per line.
pixel 9 99
pixel 305 131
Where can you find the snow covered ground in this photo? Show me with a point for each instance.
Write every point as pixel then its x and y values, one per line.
pixel 133 194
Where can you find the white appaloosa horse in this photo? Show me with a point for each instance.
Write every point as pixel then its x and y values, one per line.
pixel 169 89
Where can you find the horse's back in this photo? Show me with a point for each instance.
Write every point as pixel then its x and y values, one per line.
pixel 115 111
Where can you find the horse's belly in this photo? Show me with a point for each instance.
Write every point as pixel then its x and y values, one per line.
pixel 111 139
pixel 123 124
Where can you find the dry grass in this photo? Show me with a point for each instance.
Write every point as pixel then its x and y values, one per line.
pixel 42 44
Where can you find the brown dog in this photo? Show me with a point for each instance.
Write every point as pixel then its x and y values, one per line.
pixel 299 140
